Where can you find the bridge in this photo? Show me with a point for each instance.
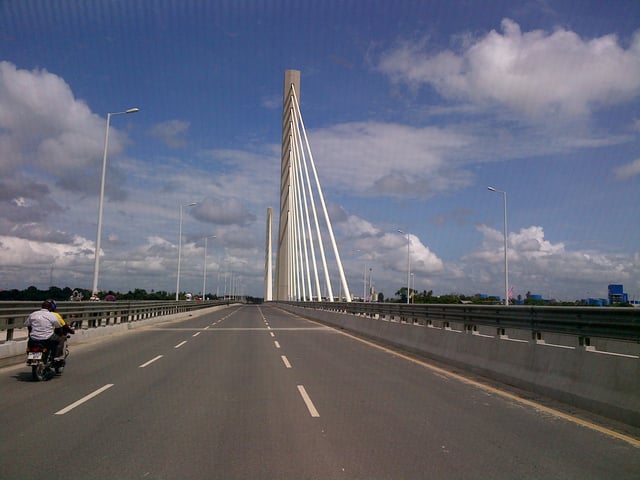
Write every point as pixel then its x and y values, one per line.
pixel 297 388
pixel 266 392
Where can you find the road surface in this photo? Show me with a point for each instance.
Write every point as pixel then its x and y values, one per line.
pixel 253 392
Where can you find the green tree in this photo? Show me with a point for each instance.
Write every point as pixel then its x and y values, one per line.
pixel 402 293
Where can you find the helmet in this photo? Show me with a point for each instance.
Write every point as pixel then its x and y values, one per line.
pixel 49 304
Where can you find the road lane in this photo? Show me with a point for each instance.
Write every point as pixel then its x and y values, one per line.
pixel 221 404
pixel 415 421
pixel 227 405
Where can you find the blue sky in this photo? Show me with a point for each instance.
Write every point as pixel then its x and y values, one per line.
pixel 413 108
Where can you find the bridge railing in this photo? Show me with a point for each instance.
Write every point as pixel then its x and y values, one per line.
pixel 604 322
pixel 96 314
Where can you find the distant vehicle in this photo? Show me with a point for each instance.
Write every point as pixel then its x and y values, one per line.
pixel 188 297
pixel 76 296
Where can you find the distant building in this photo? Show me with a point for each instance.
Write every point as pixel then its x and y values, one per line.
pixel 617 295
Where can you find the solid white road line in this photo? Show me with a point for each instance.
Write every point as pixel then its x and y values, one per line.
pixel 307 400
pixel 84 399
pixel 286 361
pixel 180 344
pixel 150 361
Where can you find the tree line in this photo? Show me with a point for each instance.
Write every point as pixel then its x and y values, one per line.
pixel 33 294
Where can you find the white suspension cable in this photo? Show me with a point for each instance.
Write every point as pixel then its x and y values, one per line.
pixel 300 230
pixel 298 117
pixel 323 256
pixel 316 223
pixel 304 220
pixel 309 191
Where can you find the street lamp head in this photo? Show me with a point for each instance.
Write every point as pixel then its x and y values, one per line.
pixel 132 110
pixel 492 189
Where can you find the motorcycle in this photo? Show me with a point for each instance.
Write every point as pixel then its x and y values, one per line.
pixel 41 357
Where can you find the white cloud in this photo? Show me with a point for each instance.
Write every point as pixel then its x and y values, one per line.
pixel 359 227
pixel 536 73
pixel 541 266
pixel 529 242
pixel 390 251
pixel 171 132
pixel 629 170
pixel 370 158
pixel 223 211
pixel 45 130
pixel 16 251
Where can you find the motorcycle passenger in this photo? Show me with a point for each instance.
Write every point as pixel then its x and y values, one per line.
pixel 47 325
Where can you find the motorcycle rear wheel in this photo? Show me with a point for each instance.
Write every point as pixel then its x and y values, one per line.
pixel 42 372
pixel 39 372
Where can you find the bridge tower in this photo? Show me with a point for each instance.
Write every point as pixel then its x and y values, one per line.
pixel 291 82
pixel 297 273
pixel 268 282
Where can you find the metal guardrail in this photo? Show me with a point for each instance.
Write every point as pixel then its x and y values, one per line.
pixel 96 314
pixel 605 322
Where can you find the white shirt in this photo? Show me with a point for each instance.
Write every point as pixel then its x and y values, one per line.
pixel 42 323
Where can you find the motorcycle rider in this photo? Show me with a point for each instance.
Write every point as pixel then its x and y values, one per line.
pixel 47 325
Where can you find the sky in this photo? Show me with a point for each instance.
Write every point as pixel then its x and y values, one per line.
pixel 413 109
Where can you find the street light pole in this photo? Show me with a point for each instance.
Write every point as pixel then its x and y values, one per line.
pixel 204 275
pixel 413 280
pixel 180 249
pixel 96 265
pixel 506 265
pixel 408 264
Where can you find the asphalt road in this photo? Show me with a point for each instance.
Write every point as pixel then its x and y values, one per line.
pixel 253 392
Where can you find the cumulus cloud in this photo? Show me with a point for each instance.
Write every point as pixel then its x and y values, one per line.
pixel 43 233
pixel 45 130
pixel 171 132
pixel 156 255
pixel 16 251
pixel 390 250
pixel 24 200
pixel 535 73
pixel 227 211
pixel 351 226
pixel 358 227
pixel 371 158
pixel 538 265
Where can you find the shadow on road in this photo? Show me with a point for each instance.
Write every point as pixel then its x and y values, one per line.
pixel 23 377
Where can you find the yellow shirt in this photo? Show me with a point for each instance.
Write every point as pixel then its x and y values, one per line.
pixel 62 324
